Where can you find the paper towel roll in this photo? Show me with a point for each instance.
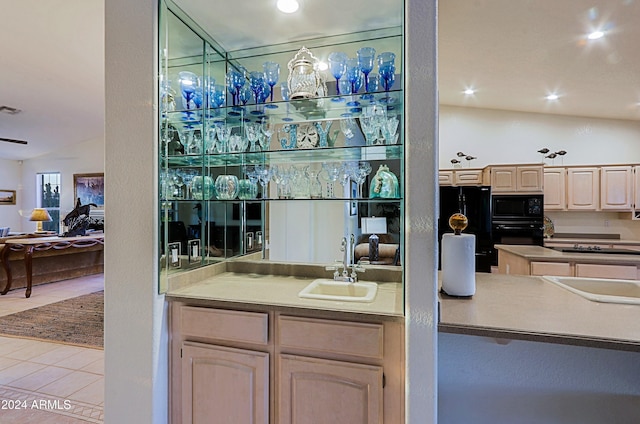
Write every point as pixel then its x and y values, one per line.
pixel 459 264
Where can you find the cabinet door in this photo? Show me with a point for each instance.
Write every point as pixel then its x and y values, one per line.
pixel 583 189
pixel 623 272
pixel 559 269
pixel 321 391
pixel 224 385
pixel 468 177
pixel 445 178
pixel 616 189
pixel 503 179
pixel 555 195
pixel 529 178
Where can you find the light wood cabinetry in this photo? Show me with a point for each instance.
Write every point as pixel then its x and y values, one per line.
pixel 555 190
pixel 616 188
pixel 583 188
pixel 636 193
pixel 624 272
pixel 231 384
pixel 516 179
pixel 551 268
pixel 270 367
pixel 463 177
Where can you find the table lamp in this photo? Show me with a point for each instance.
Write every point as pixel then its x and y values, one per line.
pixel 374 226
pixel 39 215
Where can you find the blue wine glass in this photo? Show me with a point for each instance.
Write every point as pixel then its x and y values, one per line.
pixel 387 69
pixel 345 88
pixel 257 82
pixel 231 86
pixel 245 94
pixel 353 72
pixel 189 82
pixel 366 59
pixel 217 95
pixel 338 67
pixel 240 81
pixel 271 75
pixel 373 85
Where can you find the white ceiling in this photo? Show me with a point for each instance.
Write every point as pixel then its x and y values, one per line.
pixel 512 52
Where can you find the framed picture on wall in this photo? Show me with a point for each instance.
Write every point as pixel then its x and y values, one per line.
pixel 89 188
pixel 7 197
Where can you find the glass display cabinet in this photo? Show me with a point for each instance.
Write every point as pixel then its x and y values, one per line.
pixel 285 153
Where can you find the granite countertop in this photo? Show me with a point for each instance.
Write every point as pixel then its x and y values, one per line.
pixel 282 291
pixel 540 253
pixel 530 308
pixel 594 241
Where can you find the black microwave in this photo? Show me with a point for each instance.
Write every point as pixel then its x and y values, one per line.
pixel 517 206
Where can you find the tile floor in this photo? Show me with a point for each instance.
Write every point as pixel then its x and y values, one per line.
pixel 43 382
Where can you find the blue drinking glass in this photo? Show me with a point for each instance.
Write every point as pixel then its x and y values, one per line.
pixel 338 67
pixel 387 69
pixel 230 80
pixel 271 75
pixel 217 95
pixel 353 72
pixel 366 59
pixel 245 94
pixel 189 82
pixel 373 85
pixel 256 79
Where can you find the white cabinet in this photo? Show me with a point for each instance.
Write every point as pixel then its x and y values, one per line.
pixel 516 179
pixel 555 189
pixel 616 188
pixel 583 188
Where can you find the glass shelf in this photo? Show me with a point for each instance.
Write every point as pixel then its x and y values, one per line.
pixel 376 200
pixel 292 112
pixel 328 154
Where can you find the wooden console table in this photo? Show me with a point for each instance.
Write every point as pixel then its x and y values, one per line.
pixel 39 244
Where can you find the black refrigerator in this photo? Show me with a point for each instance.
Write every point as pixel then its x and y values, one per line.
pixel 475 203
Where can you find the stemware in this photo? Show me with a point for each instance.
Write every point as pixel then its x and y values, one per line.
pixel 315 186
pixel 389 130
pixel 366 57
pixel 223 131
pixel 264 173
pixel 353 73
pixel 217 96
pixel 284 92
pixel 373 85
pixel 267 129
pixel 231 79
pixel 167 96
pixel 360 175
pixel 338 67
pixel 189 83
pixel 271 75
pixel 252 131
pixel 333 170
pixel 347 126
pixel 245 94
pixel 387 69
pixel 256 79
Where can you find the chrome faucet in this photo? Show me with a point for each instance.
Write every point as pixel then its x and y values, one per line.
pixel 344 275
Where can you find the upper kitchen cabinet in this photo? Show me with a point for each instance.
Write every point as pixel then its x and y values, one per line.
pixel 463 177
pixel 555 192
pixel 279 150
pixel 616 188
pixel 518 179
pixel 636 193
pixel 583 188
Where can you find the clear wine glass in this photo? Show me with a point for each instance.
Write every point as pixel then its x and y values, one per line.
pixel 284 92
pixel 360 175
pixel 271 75
pixel 333 170
pixel 223 131
pixel 267 129
pixel 338 67
pixel 347 127
pixel 366 59
pixel 264 175
pixel 252 131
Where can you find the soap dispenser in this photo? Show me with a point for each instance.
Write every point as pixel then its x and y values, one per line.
pixel 458 259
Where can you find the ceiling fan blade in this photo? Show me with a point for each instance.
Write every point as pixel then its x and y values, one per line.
pixel 12 140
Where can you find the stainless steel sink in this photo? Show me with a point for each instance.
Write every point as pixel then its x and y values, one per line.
pixel 600 289
pixel 326 289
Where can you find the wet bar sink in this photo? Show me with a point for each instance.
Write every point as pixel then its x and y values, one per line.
pixel 326 289
pixel 600 289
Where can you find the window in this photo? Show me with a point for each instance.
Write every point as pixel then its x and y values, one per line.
pixel 48 189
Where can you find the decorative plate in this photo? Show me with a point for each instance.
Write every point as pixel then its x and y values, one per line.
pixel 307 137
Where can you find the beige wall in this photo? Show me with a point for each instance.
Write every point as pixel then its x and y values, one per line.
pixel 10 179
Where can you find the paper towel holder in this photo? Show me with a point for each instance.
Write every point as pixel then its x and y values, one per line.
pixel 463 285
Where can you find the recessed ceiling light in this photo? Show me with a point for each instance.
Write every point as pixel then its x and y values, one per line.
pixel 552 96
pixel 595 35
pixel 287 6
pixel 469 91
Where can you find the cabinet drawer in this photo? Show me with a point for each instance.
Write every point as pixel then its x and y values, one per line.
pixel 551 268
pixel 623 272
pixel 318 336
pixel 220 324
